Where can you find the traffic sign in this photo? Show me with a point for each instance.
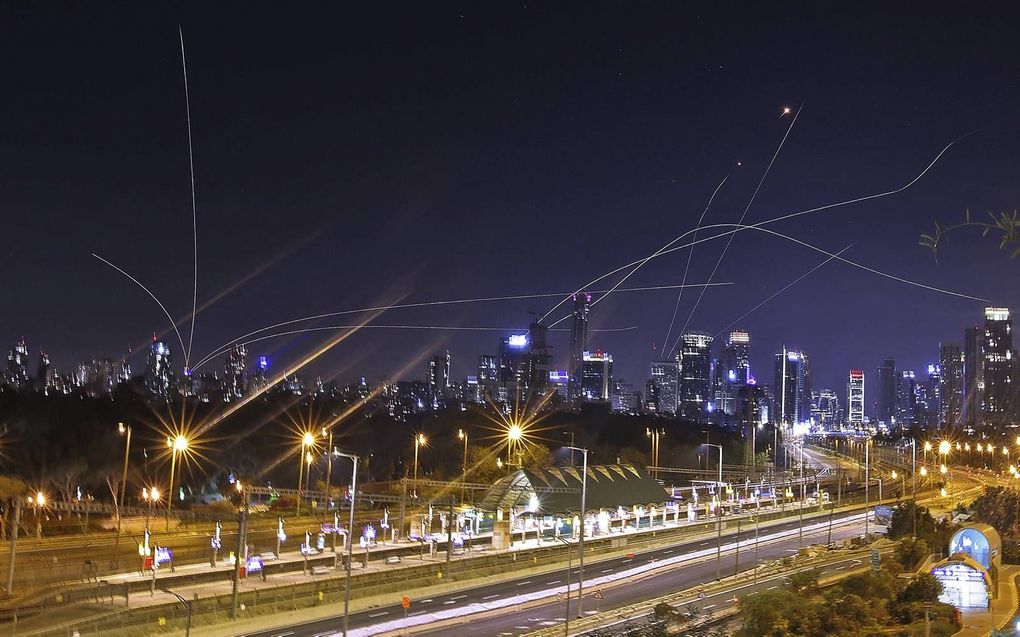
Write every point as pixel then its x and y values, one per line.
pixel 876 559
pixel 405 601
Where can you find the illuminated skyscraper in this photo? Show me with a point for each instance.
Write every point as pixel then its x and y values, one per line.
pixel 488 377
pixel 973 375
pixel 951 390
pixel 44 373
pixel 437 377
pixel 158 372
pixel 17 365
pixel 855 398
pixel 887 383
pixel 998 397
pixel 792 388
pixel 732 371
pixel 906 399
pixel 664 377
pixel 596 375
pixel 234 373
pixel 260 379
pixel 578 342
pixel 826 411
pixel 694 384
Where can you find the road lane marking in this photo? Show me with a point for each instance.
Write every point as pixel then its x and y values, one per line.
pixel 452 601
pixel 608 570
pixel 491 596
pixel 417 612
pixel 425 601
pixel 772 587
pixel 458 596
pixel 380 614
pixel 524 582
pixel 709 606
pixel 555 581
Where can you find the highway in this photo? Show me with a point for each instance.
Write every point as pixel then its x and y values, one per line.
pixel 514 623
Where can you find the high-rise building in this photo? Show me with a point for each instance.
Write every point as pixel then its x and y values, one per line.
pixel 488 377
pixel 578 342
pixel 260 379
pixel 929 397
pixel 596 375
pixel 536 376
pixel 694 382
pixel 732 371
pixel 44 373
pixel 234 373
pixel 855 398
pixel 973 375
pixel 792 387
pixel 998 397
pixel 906 399
pixel 951 389
pixel 17 365
pixel 437 377
pixel 826 410
pixel 158 372
pixel 624 399
pixel 664 375
pixel 885 406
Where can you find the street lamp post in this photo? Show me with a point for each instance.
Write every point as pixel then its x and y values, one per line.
pixel 580 544
pixel 867 483
pixel 329 465
pixel 718 516
pixel 124 430
pixel 913 486
pixel 178 444
pixel 419 441
pixel 463 435
pixel 37 503
pixel 350 539
pixel 307 440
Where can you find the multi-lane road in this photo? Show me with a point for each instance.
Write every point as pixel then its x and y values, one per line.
pixel 656 583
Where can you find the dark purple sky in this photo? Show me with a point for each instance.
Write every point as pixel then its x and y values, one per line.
pixel 437 151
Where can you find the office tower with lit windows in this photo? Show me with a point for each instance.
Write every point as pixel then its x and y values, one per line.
pixel 906 399
pixel 44 373
pixel 999 395
pixel 951 389
pixel 973 375
pixel 159 375
pixel 578 342
pixel 825 410
pixel 596 375
pixel 929 397
pixel 855 398
pixel 260 379
pixel 792 388
pixel 234 373
pixel 536 374
pixel 694 382
pixel 437 377
pixel 17 365
pixel 732 371
pixel 664 376
pixel 488 377
pixel 885 405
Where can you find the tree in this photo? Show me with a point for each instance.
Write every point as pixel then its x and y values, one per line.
pixel 10 489
pixel 1006 225
pixel 803 581
pixel 909 552
pixel 924 587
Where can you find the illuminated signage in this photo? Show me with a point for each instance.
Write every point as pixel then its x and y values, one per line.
pixel 263 362
pixel 517 340
pixel 558 376
pixel 162 555
pixel 254 564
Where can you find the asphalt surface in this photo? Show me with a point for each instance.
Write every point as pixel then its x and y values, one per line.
pixel 512 623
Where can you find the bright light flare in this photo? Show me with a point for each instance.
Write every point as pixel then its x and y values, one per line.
pixel 944 447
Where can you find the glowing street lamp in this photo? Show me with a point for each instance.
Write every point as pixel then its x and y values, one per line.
pixel 419 441
pixel 307 441
pixel 177 444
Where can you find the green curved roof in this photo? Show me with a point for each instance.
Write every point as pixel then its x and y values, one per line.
pixel 558 489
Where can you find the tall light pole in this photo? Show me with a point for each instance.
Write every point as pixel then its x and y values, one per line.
pixel 350 538
pixel 718 513
pixel 913 486
pixel 307 440
pixel 329 463
pixel 419 441
pixel 867 483
pixel 463 435
pixel 580 544
pixel 514 434
pixel 124 430
pixel 178 444
pixel 653 436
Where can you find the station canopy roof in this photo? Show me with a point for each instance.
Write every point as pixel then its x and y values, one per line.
pixel 557 490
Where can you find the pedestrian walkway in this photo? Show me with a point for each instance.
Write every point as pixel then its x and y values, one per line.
pixel 980 622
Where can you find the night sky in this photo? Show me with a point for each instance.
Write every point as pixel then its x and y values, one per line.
pixel 437 151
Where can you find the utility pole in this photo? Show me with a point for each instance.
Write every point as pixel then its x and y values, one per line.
pixel 449 538
pixel 867 483
pixel 239 556
pixel 14 546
